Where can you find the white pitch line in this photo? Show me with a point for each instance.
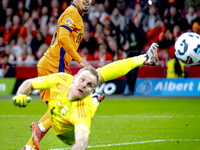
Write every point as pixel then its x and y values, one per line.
pixel 111 116
pixel 131 143
pixel 18 116
pixel 146 116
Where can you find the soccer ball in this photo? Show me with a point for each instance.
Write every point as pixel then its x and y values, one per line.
pixel 187 48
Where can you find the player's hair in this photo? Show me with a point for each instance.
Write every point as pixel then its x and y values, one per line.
pixel 92 71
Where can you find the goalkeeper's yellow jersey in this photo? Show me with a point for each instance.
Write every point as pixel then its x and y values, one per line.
pixel 66 116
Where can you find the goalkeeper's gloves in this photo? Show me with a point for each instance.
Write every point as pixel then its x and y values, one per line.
pixel 151 56
pixel 21 100
pixel 99 96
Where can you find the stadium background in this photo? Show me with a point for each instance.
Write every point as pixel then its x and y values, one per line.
pixel 26 32
pixel 163 113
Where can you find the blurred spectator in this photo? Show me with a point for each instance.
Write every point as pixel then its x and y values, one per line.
pixel 93 6
pixel 87 28
pixel 44 18
pixel 120 54
pixel 21 9
pixel 55 8
pixel 108 6
pixel 121 5
pixel 194 3
pixel 93 24
pixel 102 13
pixel 171 17
pixel 51 28
pixel 89 42
pixel 176 32
pixel 6 69
pixel 175 68
pixel 117 24
pixel 6 32
pixel 2 47
pixel 17 49
pixel 137 13
pixel 27 4
pixel 8 51
pixel 150 19
pixel 190 17
pixel 42 49
pixel 117 19
pixel 93 10
pixel 17 28
pixel 153 33
pixel 32 23
pixel 112 46
pixel 165 39
pixel 25 59
pixel 25 18
pixel 99 33
pixel 9 14
pixel 107 26
pixel 86 55
pixel 64 5
pixel 133 46
pixel 196 27
pixel 103 55
pixel 37 4
pixel 36 43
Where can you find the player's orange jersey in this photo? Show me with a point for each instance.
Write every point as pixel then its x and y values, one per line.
pixel 65 42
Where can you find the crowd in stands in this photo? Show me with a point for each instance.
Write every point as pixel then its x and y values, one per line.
pixel 114 29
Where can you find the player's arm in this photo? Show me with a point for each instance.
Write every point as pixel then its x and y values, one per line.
pixel 65 40
pixel 84 63
pixel 81 139
pixel 26 87
pixel 22 99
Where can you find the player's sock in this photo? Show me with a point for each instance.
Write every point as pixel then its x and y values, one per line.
pixel 119 68
pixel 30 143
pixel 45 125
pixel 44 117
pixel 27 147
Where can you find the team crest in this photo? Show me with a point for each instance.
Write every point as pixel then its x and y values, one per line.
pixel 69 21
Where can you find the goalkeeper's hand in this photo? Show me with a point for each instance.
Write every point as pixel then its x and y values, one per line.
pixel 21 100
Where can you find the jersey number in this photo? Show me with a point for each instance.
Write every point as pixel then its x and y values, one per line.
pixel 79 37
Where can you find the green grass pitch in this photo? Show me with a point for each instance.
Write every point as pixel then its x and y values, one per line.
pixel 119 124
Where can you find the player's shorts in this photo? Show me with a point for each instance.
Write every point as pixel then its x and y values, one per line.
pixel 45 94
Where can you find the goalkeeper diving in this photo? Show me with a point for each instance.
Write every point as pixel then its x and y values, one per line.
pixel 71 105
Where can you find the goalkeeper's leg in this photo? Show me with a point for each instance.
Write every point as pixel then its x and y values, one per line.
pixel 45 125
pixel 119 68
pixel 42 127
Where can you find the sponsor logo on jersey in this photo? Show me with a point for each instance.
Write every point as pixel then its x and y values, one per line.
pixel 41 79
pixel 69 21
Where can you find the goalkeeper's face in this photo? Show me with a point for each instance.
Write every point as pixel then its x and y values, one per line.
pixel 83 84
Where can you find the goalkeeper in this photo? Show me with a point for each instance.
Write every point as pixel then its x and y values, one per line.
pixel 71 105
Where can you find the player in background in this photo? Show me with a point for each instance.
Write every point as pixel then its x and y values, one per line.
pixel 71 104
pixel 63 49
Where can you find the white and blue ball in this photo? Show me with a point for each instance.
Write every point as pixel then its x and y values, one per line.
pixel 187 48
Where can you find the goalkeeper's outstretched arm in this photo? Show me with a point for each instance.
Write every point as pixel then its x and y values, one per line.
pixel 26 87
pixel 21 99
